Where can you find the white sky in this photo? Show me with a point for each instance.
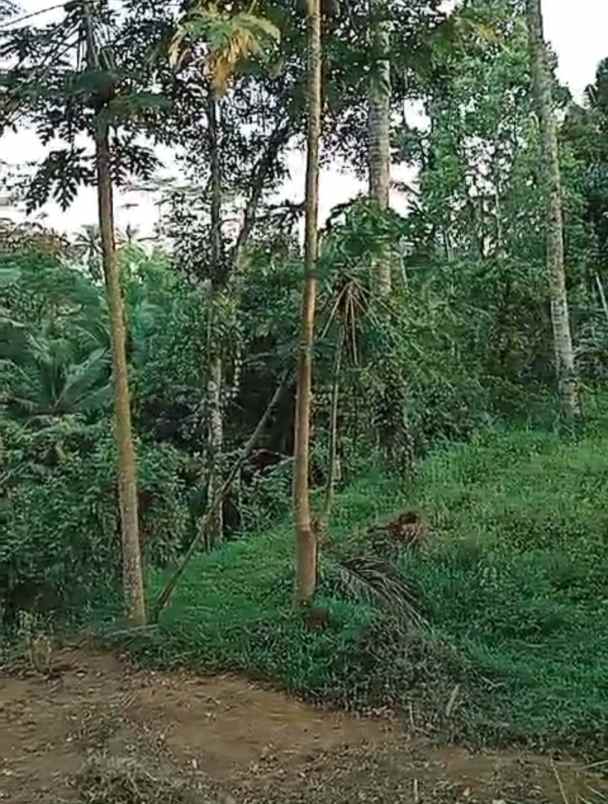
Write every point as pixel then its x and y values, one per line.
pixel 577 31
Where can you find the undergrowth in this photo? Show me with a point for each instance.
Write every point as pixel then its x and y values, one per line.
pixel 512 580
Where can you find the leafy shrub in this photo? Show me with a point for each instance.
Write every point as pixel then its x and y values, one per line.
pixel 59 511
pixel 266 499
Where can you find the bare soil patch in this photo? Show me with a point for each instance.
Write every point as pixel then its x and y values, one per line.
pixel 228 740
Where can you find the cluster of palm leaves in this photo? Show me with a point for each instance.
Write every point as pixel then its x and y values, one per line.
pixel 86 245
pixel 47 371
pixel 47 378
pixel 55 345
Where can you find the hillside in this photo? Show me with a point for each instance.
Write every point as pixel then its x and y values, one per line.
pixel 512 582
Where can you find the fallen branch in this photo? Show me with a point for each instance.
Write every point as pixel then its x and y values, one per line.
pixel 452 702
pixel 219 498
pixel 596 764
pixel 558 778
pixel 133 632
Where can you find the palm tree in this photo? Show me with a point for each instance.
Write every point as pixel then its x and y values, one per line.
pixel 46 379
pixel 560 317
pixel 86 247
pixel 87 243
pixel 131 236
pixel 46 373
pixel 306 540
pixel 379 154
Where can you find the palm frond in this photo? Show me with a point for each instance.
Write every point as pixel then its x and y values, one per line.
pixel 231 39
pixel 92 334
pixel 23 405
pixel 13 337
pixel 98 399
pixel 83 380
pixel 376 582
pixel 48 378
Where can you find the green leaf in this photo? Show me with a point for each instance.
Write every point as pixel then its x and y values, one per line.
pixel 9 275
pixel 94 81
pixel 124 107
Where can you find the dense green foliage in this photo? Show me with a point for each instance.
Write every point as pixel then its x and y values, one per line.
pixel 430 354
pixel 59 513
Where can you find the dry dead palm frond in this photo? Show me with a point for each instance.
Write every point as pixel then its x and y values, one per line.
pixel 375 581
pixel 348 307
pixel 231 39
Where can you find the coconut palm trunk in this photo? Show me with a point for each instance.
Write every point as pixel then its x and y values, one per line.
pixel 133 583
pixel 215 368
pixel 306 540
pixel 562 336
pixel 379 102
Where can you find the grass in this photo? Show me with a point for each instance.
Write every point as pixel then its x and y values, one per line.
pixel 518 580
pixel 514 583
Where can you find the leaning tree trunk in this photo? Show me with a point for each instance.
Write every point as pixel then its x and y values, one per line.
pixel 306 540
pixel 127 474
pixel 562 336
pixel 215 368
pixel 379 103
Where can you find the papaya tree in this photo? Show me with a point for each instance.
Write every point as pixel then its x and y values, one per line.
pixel 66 81
pixel 219 91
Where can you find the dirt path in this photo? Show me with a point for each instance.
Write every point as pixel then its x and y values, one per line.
pixel 242 743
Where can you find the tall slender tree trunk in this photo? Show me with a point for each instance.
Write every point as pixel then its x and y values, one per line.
pixel 332 472
pixel 562 336
pixel 379 111
pixel 215 377
pixel 215 439
pixel 127 473
pixel 306 540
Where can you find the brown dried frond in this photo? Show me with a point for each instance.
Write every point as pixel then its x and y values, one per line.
pixel 409 529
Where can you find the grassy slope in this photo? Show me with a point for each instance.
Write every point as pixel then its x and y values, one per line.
pixel 519 582
pixel 515 582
